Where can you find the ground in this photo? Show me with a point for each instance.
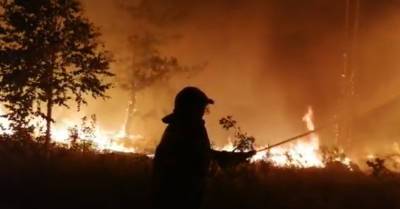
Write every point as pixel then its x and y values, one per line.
pixel 75 179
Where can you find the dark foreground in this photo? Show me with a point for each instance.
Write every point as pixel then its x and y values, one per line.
pixel 75 179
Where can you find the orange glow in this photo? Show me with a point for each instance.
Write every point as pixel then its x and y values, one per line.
pixel 303 153
pixel 102 139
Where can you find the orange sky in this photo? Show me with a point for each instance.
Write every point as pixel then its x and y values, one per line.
pixel 266 61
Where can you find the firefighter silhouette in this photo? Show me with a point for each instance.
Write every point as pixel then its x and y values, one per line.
pixel 182 158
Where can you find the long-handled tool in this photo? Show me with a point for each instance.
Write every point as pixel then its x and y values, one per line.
pixel 291 139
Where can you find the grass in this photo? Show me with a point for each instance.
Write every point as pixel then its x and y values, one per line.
pixel 75 179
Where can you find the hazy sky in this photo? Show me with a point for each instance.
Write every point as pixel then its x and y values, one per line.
pixel 267 60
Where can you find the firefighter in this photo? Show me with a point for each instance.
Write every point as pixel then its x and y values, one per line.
pixel 183 156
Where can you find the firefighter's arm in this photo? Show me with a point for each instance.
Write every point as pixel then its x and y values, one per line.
pixel 225 158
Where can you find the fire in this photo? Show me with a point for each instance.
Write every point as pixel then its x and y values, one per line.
pixel 303 153
pixel 102 139
pixel 4 124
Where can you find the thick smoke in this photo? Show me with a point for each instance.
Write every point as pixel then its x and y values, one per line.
pixel 267 61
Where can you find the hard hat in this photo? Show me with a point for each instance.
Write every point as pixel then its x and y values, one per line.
pixel 191 96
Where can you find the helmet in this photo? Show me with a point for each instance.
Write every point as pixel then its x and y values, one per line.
pixel 191 96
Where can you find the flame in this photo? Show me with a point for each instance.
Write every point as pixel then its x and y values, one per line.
pixel 102 139
pixel 303 153
pixel 4 124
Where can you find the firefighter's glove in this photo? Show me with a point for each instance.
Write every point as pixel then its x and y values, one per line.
pixel 250 153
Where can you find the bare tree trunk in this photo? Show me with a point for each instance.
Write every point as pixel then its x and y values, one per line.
pixel 48 121
pixel 49 109
pixel 130 114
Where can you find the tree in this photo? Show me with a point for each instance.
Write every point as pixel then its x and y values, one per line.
pixel 148 66
pixel 49 54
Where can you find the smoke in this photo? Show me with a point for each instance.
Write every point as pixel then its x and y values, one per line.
pixel 267 61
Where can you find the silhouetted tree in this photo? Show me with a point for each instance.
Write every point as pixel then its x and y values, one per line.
pixel 49 54
pixel 148 66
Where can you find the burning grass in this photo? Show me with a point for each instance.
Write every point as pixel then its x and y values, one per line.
pixel 79 174
pixel 305 152
pixel 69 178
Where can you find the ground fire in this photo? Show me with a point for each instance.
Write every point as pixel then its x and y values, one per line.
pixel 304 152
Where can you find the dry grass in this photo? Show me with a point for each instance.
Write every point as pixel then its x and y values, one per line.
pixel 74 179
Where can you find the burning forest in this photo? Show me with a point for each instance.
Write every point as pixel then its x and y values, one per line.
pixel 199 104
